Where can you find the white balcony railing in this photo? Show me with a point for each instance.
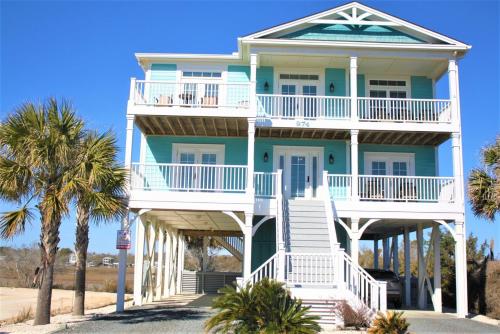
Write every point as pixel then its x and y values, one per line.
pixel 407 188
pixel 339 186
pixel 303 107
pixel 404 110
pixel 265 184
pixel 189 177
pixel 310 269
pixel 191 94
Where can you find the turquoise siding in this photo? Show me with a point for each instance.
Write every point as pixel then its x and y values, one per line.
pixel 159 148
pixel 421 88
pixel 265 73
pixel 337 77
pixel 263 242
pixel 341 32
pixel 335 147
pixel 425 159
pixel 361 85
pixel 238 73
pixel 164 72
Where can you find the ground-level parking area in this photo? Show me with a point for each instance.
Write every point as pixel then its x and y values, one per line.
pixel 187 314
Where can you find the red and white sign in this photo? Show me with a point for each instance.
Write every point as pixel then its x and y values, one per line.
pixel 123 239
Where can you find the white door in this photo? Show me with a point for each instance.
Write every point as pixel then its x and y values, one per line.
pixel 301 172
pixel 296 101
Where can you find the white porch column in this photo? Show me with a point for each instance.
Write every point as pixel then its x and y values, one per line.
pixel 375 253
pixel 438 305
pixel 407 266
pixel 159 267
pixel 395 254
pixel 139 261
pixel 385 253
pixel 175 264
pixel 354 165
pixel 355 240
pixel 461 270
pixel 250 159
pixel 205 254
pixel 453 91
pixel 151 239
pixel 180 261
pixel 353 79
pixel 422 292
pixel 253 85
pixel 456 149
pixel 247 254
pixel 168 263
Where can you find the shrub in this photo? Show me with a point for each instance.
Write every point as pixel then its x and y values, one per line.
pixel 390 323
pixel 357 317
pixel 265 307
pixel 22 316
pixel 492 292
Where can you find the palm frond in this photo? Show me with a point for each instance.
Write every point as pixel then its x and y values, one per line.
pixel 14 222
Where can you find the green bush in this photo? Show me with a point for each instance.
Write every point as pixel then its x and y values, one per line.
pixel 265 307
pixel 390 323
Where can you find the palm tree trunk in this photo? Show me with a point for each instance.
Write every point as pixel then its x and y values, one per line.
pixel 81 245
pixel 49 239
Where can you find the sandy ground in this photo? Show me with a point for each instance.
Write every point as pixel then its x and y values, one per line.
pixel 14 300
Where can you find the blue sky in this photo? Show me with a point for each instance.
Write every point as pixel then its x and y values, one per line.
pixel 84 51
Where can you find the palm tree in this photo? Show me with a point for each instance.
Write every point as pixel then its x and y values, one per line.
pixel 37 144
pixel 484 183
pixel 99 188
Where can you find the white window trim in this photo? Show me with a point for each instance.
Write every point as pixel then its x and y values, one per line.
pixel 218 149
pixel 389 158
pixel 290 70
pixel 406 88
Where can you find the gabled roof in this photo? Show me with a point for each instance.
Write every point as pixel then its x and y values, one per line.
pixel 355 22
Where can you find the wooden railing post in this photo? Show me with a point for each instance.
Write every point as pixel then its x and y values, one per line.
pixel 383 296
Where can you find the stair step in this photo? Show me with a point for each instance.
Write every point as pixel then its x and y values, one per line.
pixel 307 214
pixel 301 202
pixel 309 237
pixel 310 220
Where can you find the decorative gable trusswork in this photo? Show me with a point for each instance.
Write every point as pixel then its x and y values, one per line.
pixel 354 22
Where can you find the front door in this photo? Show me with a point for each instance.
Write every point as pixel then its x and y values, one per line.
pixel 301 171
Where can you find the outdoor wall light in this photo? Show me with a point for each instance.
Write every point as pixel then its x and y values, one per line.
pixel 266 157
pixel 332 87
pixel 331 159
pixel 266 86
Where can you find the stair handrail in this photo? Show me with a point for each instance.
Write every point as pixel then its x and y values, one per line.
pixel 373 295
pixel 330 217
pixel 267 269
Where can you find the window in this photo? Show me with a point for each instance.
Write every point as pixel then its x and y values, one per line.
pixel 399 168
pixel 300 76
pixel 396 89
pixel 378 168
pixel 189 74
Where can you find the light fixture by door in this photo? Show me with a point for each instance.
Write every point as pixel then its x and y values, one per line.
pixel 266 157
pixel 266 86
pixel 331 159
pixel 332 87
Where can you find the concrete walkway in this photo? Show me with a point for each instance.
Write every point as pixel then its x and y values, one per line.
pixel 428 322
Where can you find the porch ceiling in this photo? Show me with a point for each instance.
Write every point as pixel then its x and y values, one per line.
pixel 389 227
pixel 402 138
pixel 197 220
pixel 431 67
pixel 365 137
pixel 192 126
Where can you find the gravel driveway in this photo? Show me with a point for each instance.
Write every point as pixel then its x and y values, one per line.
pixel 428 322
pixel 153 318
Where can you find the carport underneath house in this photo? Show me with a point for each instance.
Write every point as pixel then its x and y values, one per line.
pixel 161 237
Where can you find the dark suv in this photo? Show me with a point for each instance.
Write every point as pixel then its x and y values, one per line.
pixel 394 285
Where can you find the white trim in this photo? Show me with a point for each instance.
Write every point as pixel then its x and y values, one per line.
pixel 356 5
pixel 198 149
pixel 405 78
pixel 389 157
pixel 287 150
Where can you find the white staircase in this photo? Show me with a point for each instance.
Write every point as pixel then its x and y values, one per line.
pixel 233 244
pixel 312 264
